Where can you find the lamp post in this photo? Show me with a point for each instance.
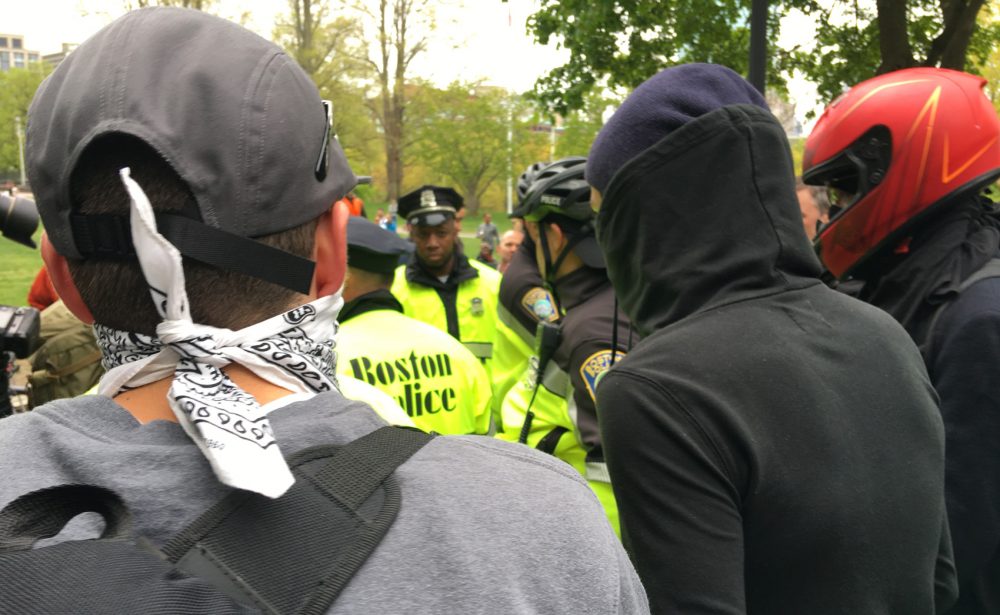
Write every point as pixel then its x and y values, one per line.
pixel 510 155
pixel 758 45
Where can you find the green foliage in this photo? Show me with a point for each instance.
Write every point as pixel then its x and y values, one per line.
pixel 17 88
pixel 318 41
pixel 581 126
pixel 324 46
pixel 531 141
pixel 463 137
pixel 987 63
pixel 20 266
pixel 849 52
pixel 624 42
pixel 991 71
pixel 843 55
pixel 984 48
pixel 798 145
pixel 355 128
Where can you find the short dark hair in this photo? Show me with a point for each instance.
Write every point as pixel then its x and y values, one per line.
pixel 116 291
pixel 371 278
pixel 570 226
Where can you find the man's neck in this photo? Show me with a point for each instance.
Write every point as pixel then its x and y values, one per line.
pixel 443 271
pixel 148 403
pixel 570 264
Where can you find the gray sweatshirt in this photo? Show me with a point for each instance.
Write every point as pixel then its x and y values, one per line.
pixel 485 527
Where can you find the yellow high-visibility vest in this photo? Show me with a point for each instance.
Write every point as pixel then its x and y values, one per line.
pixel 438 382
pixel 479 327
pixel 553 407
pixel 475 305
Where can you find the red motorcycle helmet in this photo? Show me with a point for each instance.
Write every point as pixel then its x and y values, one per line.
pixel 893 148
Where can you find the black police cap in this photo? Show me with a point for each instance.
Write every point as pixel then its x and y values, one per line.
pixel 372 248
pixel 429 205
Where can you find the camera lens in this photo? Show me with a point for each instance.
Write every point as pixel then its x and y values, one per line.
pixel 18 219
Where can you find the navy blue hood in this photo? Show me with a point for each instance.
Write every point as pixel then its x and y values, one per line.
pixel 705 217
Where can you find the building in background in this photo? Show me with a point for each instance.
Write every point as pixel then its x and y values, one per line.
pixel 13 53
pixel 56 58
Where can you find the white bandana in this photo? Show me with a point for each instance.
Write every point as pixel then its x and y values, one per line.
pixel 293 350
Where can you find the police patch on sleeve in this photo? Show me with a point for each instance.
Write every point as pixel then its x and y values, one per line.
pixel 540 304
pixel 594 367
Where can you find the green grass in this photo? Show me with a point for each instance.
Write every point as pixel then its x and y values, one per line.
pixel 18 267
pixel 471 223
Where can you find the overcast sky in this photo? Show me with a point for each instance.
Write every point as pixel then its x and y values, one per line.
pixel 473 40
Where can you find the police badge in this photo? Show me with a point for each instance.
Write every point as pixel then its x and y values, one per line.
pixel 540 304
pixel 477 307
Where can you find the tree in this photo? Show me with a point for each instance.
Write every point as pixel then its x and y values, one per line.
pixel 319 43
pixel 624 42
pixel 326 48
pixel 990 66
pixel 17 88
pixel 464 138
pixel 199 5
pixel 531 139
pixel 991 71
pixel 580 126
pixel 399 29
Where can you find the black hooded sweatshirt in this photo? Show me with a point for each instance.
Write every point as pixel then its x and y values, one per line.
pixel 774 446
pixel 923 287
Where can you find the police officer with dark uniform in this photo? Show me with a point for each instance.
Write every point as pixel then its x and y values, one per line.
pixel 552 406
pixel 436 380
pixel 524 302
pixel 441 286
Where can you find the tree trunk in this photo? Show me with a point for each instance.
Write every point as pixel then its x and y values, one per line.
pixel 472 199
pixel 965 24
pixel 307 31
pixel 395 54
pixel 949 49
pixel 894 41
pixel 401 11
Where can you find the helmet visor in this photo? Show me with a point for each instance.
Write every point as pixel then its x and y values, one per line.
pixel 855 171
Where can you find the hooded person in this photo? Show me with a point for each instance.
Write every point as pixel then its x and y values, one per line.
pixel 774 446
pixel 187 176
pixel 906 156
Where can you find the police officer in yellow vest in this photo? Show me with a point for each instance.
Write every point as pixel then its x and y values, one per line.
pixel 524 302
pixel 437 381
pixel 441 286
pixel 552 407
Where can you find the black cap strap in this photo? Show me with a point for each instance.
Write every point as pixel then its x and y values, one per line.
pixel 110 236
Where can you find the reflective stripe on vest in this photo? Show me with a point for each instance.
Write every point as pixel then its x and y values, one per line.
pixel 482 350
pixel 597 471
pixel 515 325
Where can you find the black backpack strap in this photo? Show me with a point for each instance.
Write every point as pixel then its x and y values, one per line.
pixel 550 441
pixel 990 270
pixel 295 554
pixel 107 575
pixel 44 513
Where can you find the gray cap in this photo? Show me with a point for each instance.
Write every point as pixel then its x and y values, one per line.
pixel 239 121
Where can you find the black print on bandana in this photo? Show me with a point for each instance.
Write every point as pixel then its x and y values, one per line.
pixel 203 391
pixel 223 419
pixel 300 314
